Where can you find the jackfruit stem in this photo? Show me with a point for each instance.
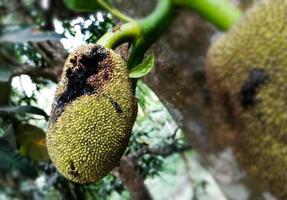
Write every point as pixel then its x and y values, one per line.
pixel 114 11
pixel 220 13
pixel 141 33
pixel 119 35
pixel 152 27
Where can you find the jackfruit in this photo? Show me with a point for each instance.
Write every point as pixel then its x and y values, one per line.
pixel 92 116
pixel 247 77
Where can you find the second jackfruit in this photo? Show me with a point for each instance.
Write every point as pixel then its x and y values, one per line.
pixel 247 74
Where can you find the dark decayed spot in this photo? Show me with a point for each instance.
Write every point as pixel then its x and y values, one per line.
pixel 230 111
pixel 73 61
pixel 256 78
pixel 77 85
pixel 106 74
pixel 73 170
pixel 116 106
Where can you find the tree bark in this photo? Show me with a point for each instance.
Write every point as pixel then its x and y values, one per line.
pixel 132 180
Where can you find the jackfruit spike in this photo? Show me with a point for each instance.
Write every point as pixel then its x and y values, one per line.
pixel 92 115
pixel 247 74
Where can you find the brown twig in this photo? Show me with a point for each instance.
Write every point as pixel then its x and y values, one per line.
pixel 164 151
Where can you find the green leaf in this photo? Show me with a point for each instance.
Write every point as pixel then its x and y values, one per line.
pixel 23 109
pixel 10 159
pixel 9 136
pixel 5 85
pixel 5 73
pixel 28 34
pixel 143 68
pixel 32 141
pixel 83 5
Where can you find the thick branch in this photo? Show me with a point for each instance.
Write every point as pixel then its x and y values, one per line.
pixel 52 51
pixel 162 151
pixel 36 72
pixel 132 180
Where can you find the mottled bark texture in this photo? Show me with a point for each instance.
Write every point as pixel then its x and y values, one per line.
pixel 180 68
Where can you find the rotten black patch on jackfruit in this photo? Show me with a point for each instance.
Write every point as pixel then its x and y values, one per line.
pixel 256 78
pixel 116 106
pixel 86 66
pixel 73 171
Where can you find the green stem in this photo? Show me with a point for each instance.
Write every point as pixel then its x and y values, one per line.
pixel 152 28
pixel 221 13
pixel 141 33
pixel 119 35
pixel 157 22
pixel 114 11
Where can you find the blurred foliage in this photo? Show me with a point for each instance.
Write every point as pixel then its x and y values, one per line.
pixel 154 129
pixel 91 27
pixel 10 159
pixel 28 54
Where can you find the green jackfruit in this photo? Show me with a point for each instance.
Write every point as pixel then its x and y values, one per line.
pixel 247 75
pixel 92 114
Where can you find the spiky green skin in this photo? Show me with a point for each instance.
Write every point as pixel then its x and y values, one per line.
pixel 258 132
pixel 86 141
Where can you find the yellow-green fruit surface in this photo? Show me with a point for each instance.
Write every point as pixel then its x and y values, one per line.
pixel 92 114
pixel 247 74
